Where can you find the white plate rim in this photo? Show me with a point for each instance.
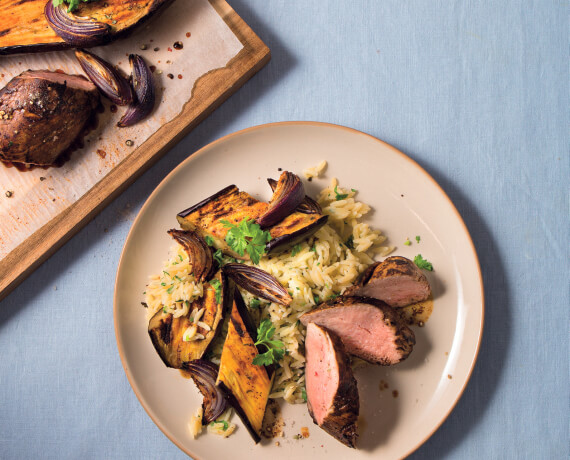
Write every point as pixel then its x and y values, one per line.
pixel 203 151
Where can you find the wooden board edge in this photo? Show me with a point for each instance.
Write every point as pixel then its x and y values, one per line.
pixel 43 243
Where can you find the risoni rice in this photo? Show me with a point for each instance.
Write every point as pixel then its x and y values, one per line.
pixel 317 269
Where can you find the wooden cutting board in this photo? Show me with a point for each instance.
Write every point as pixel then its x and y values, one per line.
pixel 53 226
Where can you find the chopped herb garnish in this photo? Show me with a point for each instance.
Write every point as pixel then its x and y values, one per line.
pixel 181 259
pixel 255 303
pixel 275 348
pixel 418 238
pixel 163 284
pixel 353 190
pixel 407 242
pixel 187 303
pixel 164 309
pixel 316 299
pixel 423 263
pixel 219 257
pixel 170 289
pixel 73 4
pixel 304 394
pixel 333 296
pixel 296 250
pixel 350 242
pixel 314 249
pixel 177 277
pixel 218 289
pixel 166 273
pixel 247 236
pixel 339 196
pixel 209 240
pixel 225 424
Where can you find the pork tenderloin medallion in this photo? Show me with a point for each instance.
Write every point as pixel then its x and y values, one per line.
pixel 42 113
pixel 369 328
pixel 332 394
pixel 397 281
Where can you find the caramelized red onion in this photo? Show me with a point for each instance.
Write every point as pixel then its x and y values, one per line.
pixel 258 282
pixel 288 194
pixel 144 92
pixel 105 77
pixel 307 206
pixel 204 374
pixel 76 30
pixel 199 253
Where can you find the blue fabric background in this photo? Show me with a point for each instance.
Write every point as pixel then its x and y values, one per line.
pixel 476 92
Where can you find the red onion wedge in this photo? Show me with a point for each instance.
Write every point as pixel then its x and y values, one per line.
pixel 288 194
pixel 307 206
pixel 76 30
pixel 199 253
pixel 204 374
pixel 105 77
pixel 258 282
pixel 144 93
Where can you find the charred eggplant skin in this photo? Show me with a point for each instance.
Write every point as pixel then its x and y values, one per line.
pixel 245 386
pixel 233 205
pixel 166 332
pixel 25 29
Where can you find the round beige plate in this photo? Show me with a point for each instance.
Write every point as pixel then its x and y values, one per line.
pixel 401 406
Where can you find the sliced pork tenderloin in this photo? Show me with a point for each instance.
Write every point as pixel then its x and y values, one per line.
pixel 397 281
pixel 369 328
pixel 332 394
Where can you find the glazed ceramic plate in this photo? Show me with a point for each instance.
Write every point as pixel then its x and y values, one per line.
pixel 406 201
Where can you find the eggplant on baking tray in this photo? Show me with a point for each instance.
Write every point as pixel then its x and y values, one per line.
pixel 168 333
pixel 38 26
pixel 287 225
pixel 245 385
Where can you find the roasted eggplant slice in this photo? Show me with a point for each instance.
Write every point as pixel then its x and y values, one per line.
pixel 245 385
pixel 166 332
pixel 25 29
pixel 232 205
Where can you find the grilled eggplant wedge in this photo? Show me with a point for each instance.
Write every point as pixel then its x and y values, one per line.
pixel 24 27
pixel 245 385
pixel 205 218
pixel 166 332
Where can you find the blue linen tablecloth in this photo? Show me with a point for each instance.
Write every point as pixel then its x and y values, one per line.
pixel 476 92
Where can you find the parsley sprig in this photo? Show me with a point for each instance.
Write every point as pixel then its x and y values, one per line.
pixel 73 4
pixel 423 263
pixel 247 236
pixel 217 289
pixel 275 348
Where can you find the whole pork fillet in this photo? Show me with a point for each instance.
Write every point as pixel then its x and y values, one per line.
pixel 369 328
pixel 42 113
pixel 397 281
pixel 332 394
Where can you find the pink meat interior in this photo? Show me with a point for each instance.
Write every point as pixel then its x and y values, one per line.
pixel 362 330
pixel 321 372
pixel 73 81
pixel 395 291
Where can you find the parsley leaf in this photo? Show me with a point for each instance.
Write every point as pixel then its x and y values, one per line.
pixel 219 257
pixel 423 263
pixel 316 299
pixel 218 289
pixel 339 196
pixel 296 250
pixel 350 242
pixel 275 348
pixel 209 240
pixel 247 236
pixel 418 238
pixel 72 3
pixel 304 394
pixel 255 303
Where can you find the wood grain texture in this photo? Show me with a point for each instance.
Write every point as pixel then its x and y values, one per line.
pixel 208 93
